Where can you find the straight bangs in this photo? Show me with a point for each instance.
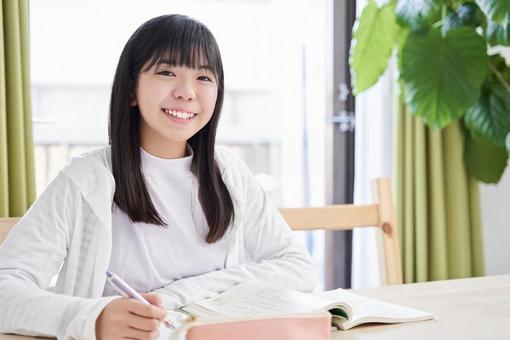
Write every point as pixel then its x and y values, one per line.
pixel 187 44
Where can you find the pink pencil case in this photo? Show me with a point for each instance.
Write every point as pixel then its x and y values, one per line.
pixel 294 327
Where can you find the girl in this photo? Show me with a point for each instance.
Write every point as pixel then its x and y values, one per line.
pixel 178 218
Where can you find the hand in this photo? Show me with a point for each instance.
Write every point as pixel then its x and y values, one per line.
pixel 129 318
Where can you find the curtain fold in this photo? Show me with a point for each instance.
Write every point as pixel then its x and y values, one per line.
pixel 17 174
pixel 438 205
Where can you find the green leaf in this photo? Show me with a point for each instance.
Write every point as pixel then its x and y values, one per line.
pixel 418 14
pixel 498 64
pixel 372 44
pixel 490 117
pixel 443 75
pixel 498 34
pixel 484 160
pixel 467 14
pixel 495 10
pixel 500 72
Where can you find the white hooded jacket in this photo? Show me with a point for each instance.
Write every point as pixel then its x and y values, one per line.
pixel 68 228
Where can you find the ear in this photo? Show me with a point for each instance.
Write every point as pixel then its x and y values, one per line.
pixel 132 100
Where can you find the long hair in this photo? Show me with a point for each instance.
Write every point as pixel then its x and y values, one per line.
pixel 187 42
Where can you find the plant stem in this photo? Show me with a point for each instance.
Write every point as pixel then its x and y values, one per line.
pixel 500 77
pixel 443 16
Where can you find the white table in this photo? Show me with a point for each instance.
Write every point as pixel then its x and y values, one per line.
pixel 466 309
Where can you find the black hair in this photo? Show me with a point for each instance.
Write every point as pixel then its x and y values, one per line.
pixel 186 42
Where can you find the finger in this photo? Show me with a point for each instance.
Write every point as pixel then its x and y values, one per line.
pixel 133 333
pixel 148 311
pixel 154 299
pixel 142 323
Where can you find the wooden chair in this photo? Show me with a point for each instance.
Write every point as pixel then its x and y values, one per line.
pixel 346 217
pixel 335 217
pixel 6 225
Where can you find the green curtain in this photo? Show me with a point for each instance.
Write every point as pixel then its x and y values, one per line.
pixel 17 178
pixel 438 205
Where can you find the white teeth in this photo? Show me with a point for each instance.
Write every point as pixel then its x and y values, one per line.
pixel 179 114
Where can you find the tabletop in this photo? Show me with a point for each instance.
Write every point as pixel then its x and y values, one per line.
pixel 473 308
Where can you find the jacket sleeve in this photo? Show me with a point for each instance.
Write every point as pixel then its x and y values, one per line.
pixel 30 256
pixel 272 254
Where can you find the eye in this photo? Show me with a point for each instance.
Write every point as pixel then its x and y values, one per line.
pixel 205 78
pixel 165 73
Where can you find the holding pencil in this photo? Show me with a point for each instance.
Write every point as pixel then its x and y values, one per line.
pixel 125 290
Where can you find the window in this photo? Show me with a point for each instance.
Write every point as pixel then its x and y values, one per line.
pixel 274 58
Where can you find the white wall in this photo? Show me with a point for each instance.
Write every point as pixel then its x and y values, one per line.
pixel 495 202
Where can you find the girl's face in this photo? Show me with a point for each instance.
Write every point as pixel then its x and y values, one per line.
pixel 175 102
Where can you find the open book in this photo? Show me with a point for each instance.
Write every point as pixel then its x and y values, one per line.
pixel 253 300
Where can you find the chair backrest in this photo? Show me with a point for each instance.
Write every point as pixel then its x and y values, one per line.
pixel 348 216
pixel 6 225
pixel 334 217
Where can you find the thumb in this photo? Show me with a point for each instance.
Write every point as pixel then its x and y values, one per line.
pixel 154 299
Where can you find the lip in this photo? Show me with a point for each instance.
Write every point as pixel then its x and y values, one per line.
pixel 179 109
pixel 178 120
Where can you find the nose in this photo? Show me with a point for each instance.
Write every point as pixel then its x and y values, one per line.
pixel 184 91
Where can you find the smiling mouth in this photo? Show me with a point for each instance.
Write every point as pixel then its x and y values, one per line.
pixel 179 114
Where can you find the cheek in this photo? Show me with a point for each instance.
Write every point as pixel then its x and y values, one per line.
pixel 149 96
pixel 210 100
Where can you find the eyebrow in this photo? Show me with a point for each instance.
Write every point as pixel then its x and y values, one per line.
pixel 173 63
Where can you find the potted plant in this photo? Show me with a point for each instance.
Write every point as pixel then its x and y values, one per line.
pixel 449 68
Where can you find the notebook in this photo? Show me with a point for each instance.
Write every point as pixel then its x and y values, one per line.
pixel 252 303
pixel 289 327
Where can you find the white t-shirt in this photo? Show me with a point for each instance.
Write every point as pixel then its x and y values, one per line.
pixel 149 256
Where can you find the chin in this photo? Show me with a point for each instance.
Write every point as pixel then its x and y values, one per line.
pixel 173 138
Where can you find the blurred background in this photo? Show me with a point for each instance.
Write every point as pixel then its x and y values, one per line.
pixel 289 111
pixel 274 55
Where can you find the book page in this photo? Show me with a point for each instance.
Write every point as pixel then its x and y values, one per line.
pixel 253 299
pixel 177 319
pixel 365 309
pixel 164 332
